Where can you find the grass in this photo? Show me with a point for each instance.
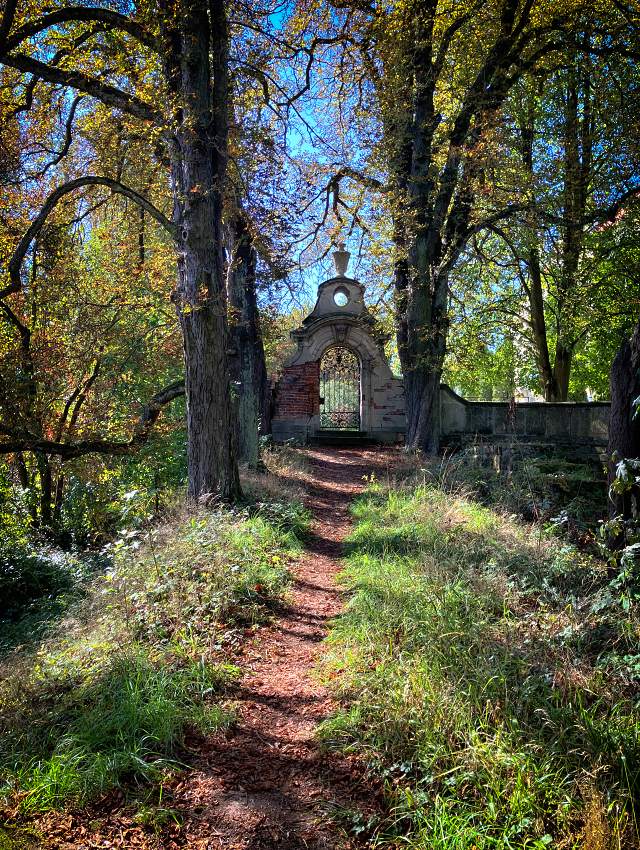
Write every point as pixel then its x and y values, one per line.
pixel 568 496
pixel 108 698
pixel 123 725
pixel 480 668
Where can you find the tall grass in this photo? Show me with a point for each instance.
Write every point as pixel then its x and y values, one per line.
pixel 107 699
pixel 477 674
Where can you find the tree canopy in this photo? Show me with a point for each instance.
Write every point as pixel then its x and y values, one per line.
pixel 173 177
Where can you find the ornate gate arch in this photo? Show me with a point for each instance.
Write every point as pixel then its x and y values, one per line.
pixel 338 377
pixel 339 389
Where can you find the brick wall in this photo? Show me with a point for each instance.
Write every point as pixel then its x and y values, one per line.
pixel 297 392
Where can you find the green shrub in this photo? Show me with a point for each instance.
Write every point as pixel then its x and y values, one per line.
pixel 27 574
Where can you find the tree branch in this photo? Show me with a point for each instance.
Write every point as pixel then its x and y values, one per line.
pixel 21 440
pixel 80 390
pixel 109 95
pixel 78 13
pixel 15 263
pixel 7 21
pixel 360 177
pixel 68 138
pixel 448 36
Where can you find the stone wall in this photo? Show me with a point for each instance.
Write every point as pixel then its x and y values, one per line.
pixel 387 419
pixel 572 426
pixel 566 424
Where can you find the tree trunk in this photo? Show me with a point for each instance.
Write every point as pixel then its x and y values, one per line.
pixel 422 394
pixel 46 492
pixel 425 350
pixel 248 367
pixel 539 325
pixel 561 372
pixel 401 287
pixel 624 421
pixel 198 169
pixel 433 180
pixel 577 160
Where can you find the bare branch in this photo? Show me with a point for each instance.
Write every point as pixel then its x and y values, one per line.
pixel 75 401
pixel 68 137
pixel 365 180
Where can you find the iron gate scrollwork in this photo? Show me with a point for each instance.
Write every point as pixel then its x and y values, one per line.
pixel 340 390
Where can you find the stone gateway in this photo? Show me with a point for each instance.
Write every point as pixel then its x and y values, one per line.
pixel 338 379
pixel 338 384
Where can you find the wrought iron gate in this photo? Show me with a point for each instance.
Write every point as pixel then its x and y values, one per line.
pixel 340 390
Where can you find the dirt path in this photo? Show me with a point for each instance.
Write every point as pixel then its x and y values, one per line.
pixel 267 784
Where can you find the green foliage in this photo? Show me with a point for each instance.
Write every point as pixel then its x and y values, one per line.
pixel 14 516
pixel 620 534
pixel 478 681
pixel 142 657
pixel 105 495
pixel 101 495
pixel 27 574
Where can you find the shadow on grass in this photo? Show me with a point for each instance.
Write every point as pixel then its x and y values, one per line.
pixel 68 739
pixel 38 588
pixel 481 707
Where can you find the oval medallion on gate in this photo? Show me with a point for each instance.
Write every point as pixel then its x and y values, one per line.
pixel 339 390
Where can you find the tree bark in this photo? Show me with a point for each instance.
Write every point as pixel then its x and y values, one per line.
pixel 435 192
pixel 193 47
pixel 248 366
pixel 539 324
pixel 624 421
pixel 561 372
pixel 424 356
pixel 198 166
pixel 46 480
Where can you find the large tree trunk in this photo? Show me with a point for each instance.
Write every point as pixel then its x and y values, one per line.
pixel 425 350
pixel 624 421
pixel 248 367
pixel 198 167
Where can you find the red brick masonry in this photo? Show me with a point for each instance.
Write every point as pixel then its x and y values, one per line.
pixel 297 393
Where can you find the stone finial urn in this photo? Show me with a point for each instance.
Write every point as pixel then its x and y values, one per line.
pixel 341 260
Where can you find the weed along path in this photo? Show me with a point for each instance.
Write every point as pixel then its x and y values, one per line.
pixel 267 783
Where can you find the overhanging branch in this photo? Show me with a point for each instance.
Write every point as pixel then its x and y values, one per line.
pixel 107 94
pixel 80 13
pixel 19 440
pixel 15 263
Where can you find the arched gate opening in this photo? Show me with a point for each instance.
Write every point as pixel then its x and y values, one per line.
pixel 339 390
